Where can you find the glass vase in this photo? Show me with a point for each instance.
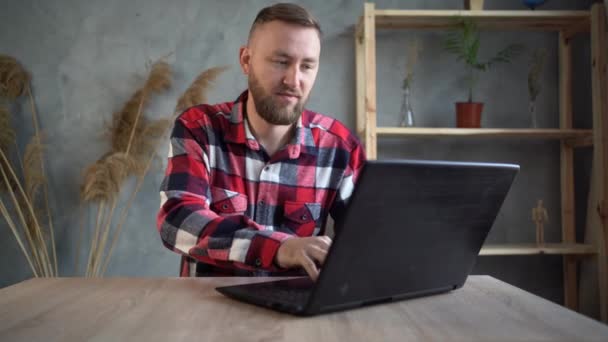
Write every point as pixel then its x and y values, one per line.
pixel 406 114
pixel 533 116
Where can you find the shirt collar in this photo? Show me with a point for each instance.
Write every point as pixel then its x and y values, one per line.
pixel 239 131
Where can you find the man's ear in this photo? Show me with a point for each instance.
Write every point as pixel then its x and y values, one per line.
pixel 244 59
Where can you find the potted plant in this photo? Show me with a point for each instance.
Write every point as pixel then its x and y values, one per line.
pixel 532 4
pixel 474 5
pixel 464 43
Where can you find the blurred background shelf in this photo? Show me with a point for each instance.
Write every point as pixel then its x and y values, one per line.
pixel 531 249
pixel 566 24
pixel 541 133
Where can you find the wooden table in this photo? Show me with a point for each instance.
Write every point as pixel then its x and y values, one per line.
pixel 189 309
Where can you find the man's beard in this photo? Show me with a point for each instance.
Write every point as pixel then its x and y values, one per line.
pixel 267 107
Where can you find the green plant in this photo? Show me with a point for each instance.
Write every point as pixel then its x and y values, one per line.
pixel 465 42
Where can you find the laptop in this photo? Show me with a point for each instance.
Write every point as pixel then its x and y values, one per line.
pixel 412 228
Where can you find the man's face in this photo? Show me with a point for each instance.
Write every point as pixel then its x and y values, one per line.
pixel 281 62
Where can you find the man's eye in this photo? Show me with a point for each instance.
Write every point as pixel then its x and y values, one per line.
pixel 281 62
pixel 307 66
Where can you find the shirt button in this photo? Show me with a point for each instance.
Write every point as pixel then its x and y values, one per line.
pixel 304 217
pixel 267 168
pixel 225 206
pixel 258 262
pixel 262 202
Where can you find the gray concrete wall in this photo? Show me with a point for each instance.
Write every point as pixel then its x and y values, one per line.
pixel 86 57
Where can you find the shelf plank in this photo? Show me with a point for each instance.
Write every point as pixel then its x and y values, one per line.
pixel 542 133
pixel 530 249
pixel 571 21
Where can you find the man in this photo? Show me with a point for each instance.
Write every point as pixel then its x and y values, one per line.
pixel 249 184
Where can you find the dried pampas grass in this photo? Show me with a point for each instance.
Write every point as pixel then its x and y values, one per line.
pixel 15 82
pixel 7 139
pixel 103 179
pixel 125 121
pixel 128 124
pixel 152 134
pixel 11 186
pixel 413 52
pixel 132 138
pixel 7 134
pixel 159 78
pixel 14 79
pixel 196 93
pixel 32 231
pixel 34 177
pixel 537 64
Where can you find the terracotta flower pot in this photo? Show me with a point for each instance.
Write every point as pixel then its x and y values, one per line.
pixel 475 5
pixel 468 114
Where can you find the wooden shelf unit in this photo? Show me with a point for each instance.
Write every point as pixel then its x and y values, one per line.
pixel 531 249
pixel 566 24
pixel 583 135
pixel 571 21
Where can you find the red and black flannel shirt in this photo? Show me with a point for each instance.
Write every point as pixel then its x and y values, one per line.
pixel 228 205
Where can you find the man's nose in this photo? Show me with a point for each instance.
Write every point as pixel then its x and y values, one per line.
pixel 292 77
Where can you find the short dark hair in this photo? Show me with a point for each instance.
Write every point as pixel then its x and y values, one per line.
pixel 286 12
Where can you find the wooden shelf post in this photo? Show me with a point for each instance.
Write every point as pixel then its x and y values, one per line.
pixel 369 44
pixel 597 218
pixel 570 273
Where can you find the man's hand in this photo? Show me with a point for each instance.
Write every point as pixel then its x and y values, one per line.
pixel 307 252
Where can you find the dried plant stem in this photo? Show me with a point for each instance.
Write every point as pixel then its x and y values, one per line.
pixel 114 202
pixel 102 221
pixel 11 224
pixel 28 236
pixel 98 253
pixel 104 240
pixel 141 104
pixel 35 254
pixel 19 157
pixel 125 209
pixel 44 259
pixel 44 185
pixel 95 238
pixel 79 242
pixel 123 216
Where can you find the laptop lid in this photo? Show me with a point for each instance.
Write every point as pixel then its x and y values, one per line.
pixel 411 228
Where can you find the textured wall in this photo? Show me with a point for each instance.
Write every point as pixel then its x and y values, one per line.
pixel 86 58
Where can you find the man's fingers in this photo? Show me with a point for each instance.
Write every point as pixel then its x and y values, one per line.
pixel 324 242
pixel 309 266
pixel 317 253
pixel 308 253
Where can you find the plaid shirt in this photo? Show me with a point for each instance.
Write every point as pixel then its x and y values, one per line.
pixel 228 205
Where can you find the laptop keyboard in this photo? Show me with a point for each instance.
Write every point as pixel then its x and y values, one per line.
pixel 282 295
pixel 296 291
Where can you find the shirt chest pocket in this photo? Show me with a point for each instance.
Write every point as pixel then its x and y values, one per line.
pixel 301 218
pixel 226 202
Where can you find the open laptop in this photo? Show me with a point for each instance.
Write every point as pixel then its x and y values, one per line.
pixel 412 228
